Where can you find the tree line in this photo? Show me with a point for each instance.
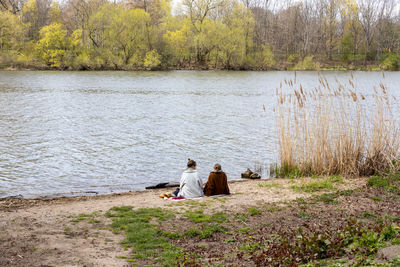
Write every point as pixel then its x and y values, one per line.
pixel 200 34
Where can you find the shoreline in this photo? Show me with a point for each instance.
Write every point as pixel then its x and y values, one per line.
pixel 16 203
pixel 94 194
pixel 368 68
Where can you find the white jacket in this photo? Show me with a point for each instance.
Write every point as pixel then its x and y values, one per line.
pixel 190 186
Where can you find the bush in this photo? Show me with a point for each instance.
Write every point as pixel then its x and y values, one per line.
pixel 306 64
pixel 293 58
pixel 390 62
pixel 268 57
pixel 152 59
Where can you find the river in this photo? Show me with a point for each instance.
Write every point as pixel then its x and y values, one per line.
pixel 70 133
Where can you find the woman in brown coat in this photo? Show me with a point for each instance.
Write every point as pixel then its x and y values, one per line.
pixel 217 183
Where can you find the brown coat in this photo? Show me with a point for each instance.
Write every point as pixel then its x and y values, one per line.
pixel 217 184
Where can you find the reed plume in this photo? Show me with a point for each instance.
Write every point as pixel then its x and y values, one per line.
pixel 328 130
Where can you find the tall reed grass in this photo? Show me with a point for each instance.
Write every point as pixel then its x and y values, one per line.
pixel 336 130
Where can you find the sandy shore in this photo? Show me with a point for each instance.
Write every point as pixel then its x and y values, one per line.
pixel 47 232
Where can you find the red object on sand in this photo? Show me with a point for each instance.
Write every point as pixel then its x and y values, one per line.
pixel 177 198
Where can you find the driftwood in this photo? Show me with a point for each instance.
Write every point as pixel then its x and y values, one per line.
pixel 163 185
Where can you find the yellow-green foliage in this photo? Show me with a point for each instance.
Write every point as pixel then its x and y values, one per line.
pixel 152 59
pixel 178 42
pixel 203 34
pixel 306 64
pixel 11 31
pixel 122 32
pixel 390 62
pixel 35 17
pixel 52 44
pixel 292 58
pixel 268 56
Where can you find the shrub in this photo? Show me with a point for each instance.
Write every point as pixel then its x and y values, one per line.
pixel 390 62
pixel 306 64
pixel 293 58
pixel 152 59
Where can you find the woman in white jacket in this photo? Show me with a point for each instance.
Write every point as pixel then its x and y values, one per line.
pixel 190 185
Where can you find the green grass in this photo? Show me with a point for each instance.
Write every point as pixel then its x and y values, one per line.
pixel 388 182
pixel 241 217
pixel 378 199
pixel 254 211
pixel 272 208
pixel 90 217
pixel 229 240
pixel 251 247
pixel 377 181
pixel 346 193
pixel 287 171
pixel 368 215
pixel 206 231
pixel 304 215
pixel 328 183
pixel 328 198
pixel 270 185
pixel 146 239
pixel 243 230
pixel 199 217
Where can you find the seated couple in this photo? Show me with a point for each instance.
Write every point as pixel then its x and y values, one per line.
pixel 192 187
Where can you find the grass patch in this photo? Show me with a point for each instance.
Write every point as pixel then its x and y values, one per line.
pixel 146 239
pixel 273 208
pixel 250 247
pixel 328 183
pixel 377 181
pixel 388 182
pixel 206 231
pixel 270 185
pixel 346 193
pixel 304 215
pixel 328 198
pixel 254 211
pixel 90 217
pixel 241 217
pixel 199 217
pixel 191 203
pixel 378 199
pixel 173 235
pixel 368 215
pixel 243 230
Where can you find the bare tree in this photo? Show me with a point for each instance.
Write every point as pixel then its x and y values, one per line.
pixel 12 5
pixel 368 17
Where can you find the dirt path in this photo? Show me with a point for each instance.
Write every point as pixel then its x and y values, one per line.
pixel 75 232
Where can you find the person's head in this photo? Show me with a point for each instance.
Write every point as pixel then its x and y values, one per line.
pixel 191 164
pixel 217 167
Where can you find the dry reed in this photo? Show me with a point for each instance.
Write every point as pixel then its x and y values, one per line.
pixel 327 130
